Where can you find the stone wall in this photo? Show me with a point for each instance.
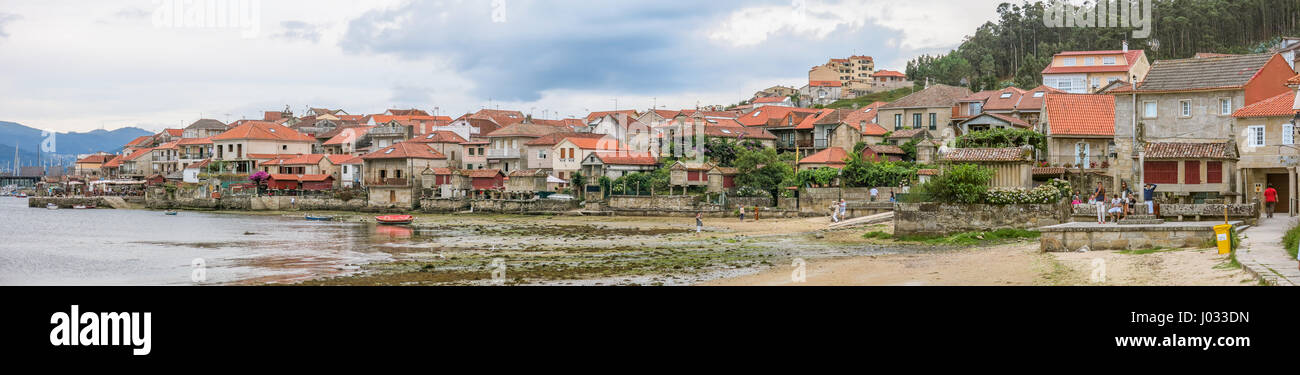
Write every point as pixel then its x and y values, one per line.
pixel 444 205
pixel 1126 237
pixel 66 202
pixel 651 202
pixel 937 219
pixel 748 202
pixel 1181 212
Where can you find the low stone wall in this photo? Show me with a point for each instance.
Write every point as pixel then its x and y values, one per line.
pixel 522 206
pixel 66 202
pixel 787 203
pixel 443 206
pixel 257 204
pixel 748 202
pixel 1248 213
pixel 1072 237
pixel 651 202
pixel 937 219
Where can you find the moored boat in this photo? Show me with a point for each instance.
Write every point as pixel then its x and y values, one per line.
pixel 320 218
pixel 170 213
pixel 395 219
pixel 51 206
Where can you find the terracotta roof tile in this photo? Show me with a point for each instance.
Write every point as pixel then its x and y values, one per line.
pixel 832 155
pixel 264 131
pixel 984 154
pixel 1282 105
pixel 1080 114
pixel 405 150
pixel 619 158
pixel 1172 150
pixel 1204 73
pixel 938 95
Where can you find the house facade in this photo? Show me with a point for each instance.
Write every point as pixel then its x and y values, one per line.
pixel 1086 72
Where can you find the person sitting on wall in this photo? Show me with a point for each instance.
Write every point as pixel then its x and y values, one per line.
pixel 1116 207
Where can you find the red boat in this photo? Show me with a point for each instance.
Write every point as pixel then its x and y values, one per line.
pixel 395 219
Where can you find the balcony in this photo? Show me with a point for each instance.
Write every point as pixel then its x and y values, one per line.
pixel 502 153
pixel 805 143
pixel 388 182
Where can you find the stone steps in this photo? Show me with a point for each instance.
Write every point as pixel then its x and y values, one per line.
pixel 1141 220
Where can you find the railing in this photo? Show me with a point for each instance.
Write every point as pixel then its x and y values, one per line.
pixel 805 143
pixel 502 153
pixel 393 182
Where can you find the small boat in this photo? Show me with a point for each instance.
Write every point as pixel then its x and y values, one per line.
pixel 395 219
pixel 78 207
pixel 51 206
pixel 320 218
pixel 20 195
pixel 170 213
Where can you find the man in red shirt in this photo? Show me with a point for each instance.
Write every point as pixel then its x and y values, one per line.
pixel 1270 199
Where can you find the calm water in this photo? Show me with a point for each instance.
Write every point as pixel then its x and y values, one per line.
pixel 137 247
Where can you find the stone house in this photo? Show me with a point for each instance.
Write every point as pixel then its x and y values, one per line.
pixel 833 157
pixel 236 147
pixel 1012 167
pixel 485 179
pixel 1080 129
pixel 821 92
pixel 687 174
pixel 446 142
pixel 1268 151
pixel 1192 172
pixel 527 181
pixel 475 153
pixel 1086 72
pixel 345 141
pixel 782 123
pixel 722 179
pixel 204 128
pixel 883 153
pixel 569 153
pixel 929 110
pixel 1191 101
pixel 539 151
pixel 616 164
pixel 508 145
pixel 390 172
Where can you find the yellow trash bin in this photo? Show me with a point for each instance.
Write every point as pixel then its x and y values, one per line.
pixel 1221 237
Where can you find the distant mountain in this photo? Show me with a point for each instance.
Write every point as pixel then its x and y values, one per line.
pixel 66 145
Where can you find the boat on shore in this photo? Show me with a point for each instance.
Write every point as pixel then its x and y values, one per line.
pixel 395 219
pixel 51 206
pixel 320 218
pixel 84 206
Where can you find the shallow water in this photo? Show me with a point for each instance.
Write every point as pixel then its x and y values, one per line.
pixel 138 247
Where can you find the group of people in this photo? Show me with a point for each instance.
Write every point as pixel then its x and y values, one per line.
pixel 1119 205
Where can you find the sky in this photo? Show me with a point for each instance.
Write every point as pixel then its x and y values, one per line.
pixel 154 64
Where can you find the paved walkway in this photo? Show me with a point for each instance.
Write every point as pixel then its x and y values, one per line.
pixel 1261 252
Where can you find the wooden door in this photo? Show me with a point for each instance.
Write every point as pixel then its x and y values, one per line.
pixel 1283 186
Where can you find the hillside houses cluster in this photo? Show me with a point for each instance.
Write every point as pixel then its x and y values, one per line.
pixel 1210 128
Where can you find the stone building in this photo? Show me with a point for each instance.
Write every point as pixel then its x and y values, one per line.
pixel 1268 150
pixel 390 172
pixel 1191 101
pixel 930 110
pixel 1012 166
pixel 1080 129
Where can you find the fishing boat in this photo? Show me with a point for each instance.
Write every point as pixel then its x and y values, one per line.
pixel 320 218
pixel 170 213
pixel 395 219
pixel 21 195
pixel 78 207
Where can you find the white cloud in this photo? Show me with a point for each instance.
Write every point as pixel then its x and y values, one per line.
pixel 914 20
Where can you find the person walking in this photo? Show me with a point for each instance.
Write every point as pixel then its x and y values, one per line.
pixel 844 209
pixel 835 211
pixel 699 223
pixel 755 213
pixel 742 214
pixel 1148 196
pixel 874 193
pixel 1099 199
pixel 1270 200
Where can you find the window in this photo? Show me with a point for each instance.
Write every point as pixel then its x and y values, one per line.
pixel 934 121
pixel 1039 94
pixel 1225 106
pixel 1256 134
pixel 471 151
pixel 1089 61
pixel 1005 95
pixel 1192 172
pixel 1096 82
pixel 1160 172
pixel 1108 61
pixel 916 121
pixel 1185 108
pixel 1082 154
pixel 898 122
pixel 1214 172
pixel 1288 134
pixel 1069 61
pixel 541 154
pixel 976 108
pixel 1148 109
pixel 1065 84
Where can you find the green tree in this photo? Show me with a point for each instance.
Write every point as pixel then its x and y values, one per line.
pixel 763 169
pixel 961 183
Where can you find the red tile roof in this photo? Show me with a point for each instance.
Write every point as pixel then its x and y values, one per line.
pixel 349 135
pixel 194 141
pixel 760 116
pixel 595 115
pixel 481 173
pixel 199 165
pixel 302 177
pixel 770 99
pixel 174 132
pixel 984 154
pixel 832 156
pixel 603 143
pixel 263 131
pixel 1130 58
pixel 1294 80
pixel 137 154
pixel 887 149
pixel 927 172
pixel 441 136
pixel 1282 105
pixel 139 141
pixel 619 158
pixel 115 162
pixel 555 138
pixel 346 159
pixel 1080 114
pixel 888 73
pixel 94 159
pixel 405 150
pixel 1186 151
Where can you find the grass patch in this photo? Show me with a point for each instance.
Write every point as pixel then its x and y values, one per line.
pixel 973 238
pixel 1291 240
pixel 877 234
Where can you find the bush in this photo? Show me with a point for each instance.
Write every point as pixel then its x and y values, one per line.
pixel 961 183
pixel 1000 138
pixel 751 191
pixel 1291 240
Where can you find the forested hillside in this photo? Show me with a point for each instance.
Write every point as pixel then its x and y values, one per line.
pixel 1016 48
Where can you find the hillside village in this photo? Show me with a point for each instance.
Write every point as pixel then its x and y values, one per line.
pixel 1215 128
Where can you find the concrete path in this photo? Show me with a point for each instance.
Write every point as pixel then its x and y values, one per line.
pixel 1261 252
pixel 865 220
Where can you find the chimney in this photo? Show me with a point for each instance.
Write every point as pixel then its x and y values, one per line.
pixel 1125 46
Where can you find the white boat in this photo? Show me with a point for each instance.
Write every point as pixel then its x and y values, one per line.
pixel 51 206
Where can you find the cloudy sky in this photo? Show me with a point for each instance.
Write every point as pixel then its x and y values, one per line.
pixel 83 65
